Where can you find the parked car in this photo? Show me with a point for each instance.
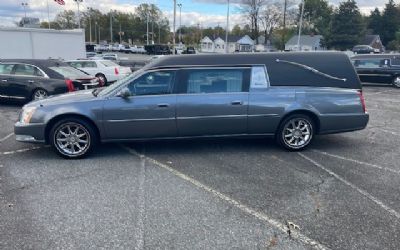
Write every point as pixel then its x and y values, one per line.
pixel 105 70
pixel 28 80
pixel 364 49
pixel 90 54
pixel 383 68
pixel 110 56
pixel 157 49
pixel 292 96
pixel 189 50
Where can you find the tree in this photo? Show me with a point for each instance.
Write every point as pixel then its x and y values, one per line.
pixel 390 22
pixel 271 16
pixel 375 21
pixel 67 20
pixel 251 10
pixel 317 16
pixel 347 26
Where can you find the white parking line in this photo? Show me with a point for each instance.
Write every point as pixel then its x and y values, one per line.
pixel 366 194
pixel 20 150
pixel 5 138
pixel 357 161
pixel 244 208
pixel 142 205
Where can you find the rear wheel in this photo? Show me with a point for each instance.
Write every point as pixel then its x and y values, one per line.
pixel 396 81
pixel 39 94
pixel 102 78
pixel 73 138
pixel 296 132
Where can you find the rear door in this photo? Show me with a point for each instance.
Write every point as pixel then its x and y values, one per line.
pixel 5 78
pixel 213 101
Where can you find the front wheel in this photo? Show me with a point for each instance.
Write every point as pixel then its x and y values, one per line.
pixel 396 81
pixel 296 132
pixel 73 138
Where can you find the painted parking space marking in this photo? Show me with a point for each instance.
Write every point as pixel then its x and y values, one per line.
pixel 365 193
pixel 5 138
pixel 244 208
pixel 20 150
pixel 357 161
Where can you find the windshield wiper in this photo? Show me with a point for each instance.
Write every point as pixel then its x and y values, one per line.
pixel 315 71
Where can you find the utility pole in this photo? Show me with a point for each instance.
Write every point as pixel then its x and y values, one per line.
pixel 24 5
pixel 173 39
pixel 301 24
pixel 147 25
pixel 284 25
pixel 90 25
pixel 48 13
pixel 180 22
pixel 120 33
pixel 111 27
pixel 227 31
pixel 152 31
pixel 95 32
pixel 159 33
pixel 78 2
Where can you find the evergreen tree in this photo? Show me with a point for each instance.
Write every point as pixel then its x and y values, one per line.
pixel 347 26
pixel 390 22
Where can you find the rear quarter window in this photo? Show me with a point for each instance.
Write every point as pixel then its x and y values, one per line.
pixel 69 72
pixel 5 69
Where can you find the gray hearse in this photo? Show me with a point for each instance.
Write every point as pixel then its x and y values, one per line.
pixel 292 96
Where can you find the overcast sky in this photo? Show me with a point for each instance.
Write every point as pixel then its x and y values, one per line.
pixel 205 12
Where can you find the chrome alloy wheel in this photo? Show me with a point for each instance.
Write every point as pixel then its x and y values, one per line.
pixel 297 133
pixel 39 94
pixel 396 81
pixel 72 139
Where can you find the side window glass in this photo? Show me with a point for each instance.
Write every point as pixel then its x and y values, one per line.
pixel 24 70
pixel 5 69
pixel 259 78
pixel 215 81
pixel 90 64
pixel 153 83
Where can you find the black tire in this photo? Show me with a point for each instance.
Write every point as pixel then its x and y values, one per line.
pixel 39 92
pixel 86 128
pixel 396 82
pixel 103 77
pixel 301 137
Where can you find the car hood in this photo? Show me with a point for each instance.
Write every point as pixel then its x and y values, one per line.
pixel 78 96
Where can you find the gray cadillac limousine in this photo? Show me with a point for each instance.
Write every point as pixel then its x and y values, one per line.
pixel 292 96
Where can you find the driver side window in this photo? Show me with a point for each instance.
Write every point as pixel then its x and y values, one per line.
pixel 153 83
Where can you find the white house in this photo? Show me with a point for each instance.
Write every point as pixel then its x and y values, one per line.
pixel 235 44
pixel 207 45
pixel 307 43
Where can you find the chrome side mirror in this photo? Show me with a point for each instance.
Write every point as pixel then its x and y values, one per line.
pixel 124 93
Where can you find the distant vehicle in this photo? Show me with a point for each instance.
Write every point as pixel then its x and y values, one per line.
pixel 157 49
pixel 109 56
pixel 126 49
pixel 364 49
pixel 90 54
pixel 90 47
pixel 189 50
pixel 28 80
pixel 140 50
pixel 107 71
pixel 289 96
pixel 382 68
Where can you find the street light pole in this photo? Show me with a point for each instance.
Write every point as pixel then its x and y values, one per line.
pixel 78 2
pixel 300 25
pixel 48 13
pixel 24 5
pixel 180 22
pixel 147 25
pixel 173 39
pixel 227 31
pixel 90 25
pixel 111 27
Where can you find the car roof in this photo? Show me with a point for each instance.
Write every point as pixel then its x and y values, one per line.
pixel 284 69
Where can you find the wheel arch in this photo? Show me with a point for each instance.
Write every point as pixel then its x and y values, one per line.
pixel 58 118
pixel 308 113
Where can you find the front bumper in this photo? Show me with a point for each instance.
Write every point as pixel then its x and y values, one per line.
pixel 32 133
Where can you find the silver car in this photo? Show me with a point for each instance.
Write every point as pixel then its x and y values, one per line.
pixel 292 96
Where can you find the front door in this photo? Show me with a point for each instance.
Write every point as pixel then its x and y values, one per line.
pixel 212 101
pixel 148 113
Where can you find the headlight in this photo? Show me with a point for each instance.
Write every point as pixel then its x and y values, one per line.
pixel 27 114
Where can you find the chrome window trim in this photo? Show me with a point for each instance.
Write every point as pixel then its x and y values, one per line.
pixel 15 63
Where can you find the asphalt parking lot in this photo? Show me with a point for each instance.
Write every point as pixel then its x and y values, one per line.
pixel 341 193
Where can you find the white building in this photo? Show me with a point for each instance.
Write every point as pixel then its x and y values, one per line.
pixel 307 43
pixel 235 44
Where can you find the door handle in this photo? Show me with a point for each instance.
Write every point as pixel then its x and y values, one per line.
pixel 163 105
pixel 237 103
pixel 31 81
pixel 3 80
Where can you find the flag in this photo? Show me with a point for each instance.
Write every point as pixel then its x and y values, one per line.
pixel 60 2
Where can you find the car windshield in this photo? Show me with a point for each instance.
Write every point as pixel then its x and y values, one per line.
pixel 69 72
pixel 120 83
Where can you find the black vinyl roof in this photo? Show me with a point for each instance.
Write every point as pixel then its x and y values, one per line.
pixel 376 56
pixel 320 69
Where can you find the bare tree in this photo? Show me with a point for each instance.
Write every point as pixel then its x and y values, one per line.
pixel 252 10
pixel 270 18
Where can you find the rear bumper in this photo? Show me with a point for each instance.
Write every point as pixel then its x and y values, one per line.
pixel 330 124
pixel 32 133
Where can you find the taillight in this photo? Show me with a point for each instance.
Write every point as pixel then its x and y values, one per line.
pixel 116 71
pixel 70 85
pixel 362 100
